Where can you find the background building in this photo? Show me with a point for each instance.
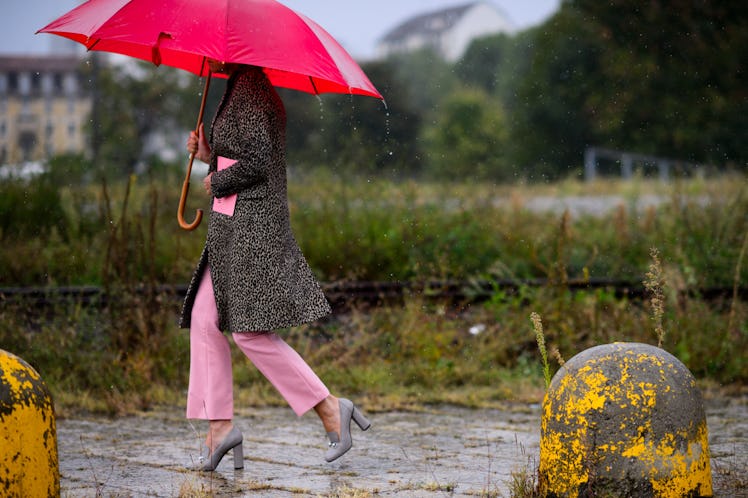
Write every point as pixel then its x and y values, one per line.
pixel 447 31
pixel 44 107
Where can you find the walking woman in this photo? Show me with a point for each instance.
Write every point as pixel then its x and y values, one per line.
pixel 252 278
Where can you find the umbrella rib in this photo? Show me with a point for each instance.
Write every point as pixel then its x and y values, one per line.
pixel 311 80
pixel 202 66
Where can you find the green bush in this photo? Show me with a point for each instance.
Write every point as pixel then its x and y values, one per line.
pixel 31 208
pixel 380 230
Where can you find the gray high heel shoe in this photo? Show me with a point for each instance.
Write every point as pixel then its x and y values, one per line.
pixel 233 441
pixel 339 445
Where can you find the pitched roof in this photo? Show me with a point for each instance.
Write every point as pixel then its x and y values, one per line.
pixel 39 63
pixel 429 23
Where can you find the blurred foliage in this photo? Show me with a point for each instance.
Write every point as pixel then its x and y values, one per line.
pixel 374 229
pixel 468 140
pixel 662 78
pixel 552 122
pixel 129 106
pixel 32 208
pixel 671 72
pixel 653 78
pixel 356 135
pixel 650 77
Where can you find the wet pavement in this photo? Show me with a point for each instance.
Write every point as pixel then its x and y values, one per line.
pixel 440 451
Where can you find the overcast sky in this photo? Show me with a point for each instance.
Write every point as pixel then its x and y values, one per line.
pixel 356 24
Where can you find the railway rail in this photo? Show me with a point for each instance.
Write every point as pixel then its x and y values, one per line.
pixel 345 294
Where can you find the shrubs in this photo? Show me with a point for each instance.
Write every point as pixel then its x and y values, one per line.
pixel 379 230
pixel 31 208
pixel 126 353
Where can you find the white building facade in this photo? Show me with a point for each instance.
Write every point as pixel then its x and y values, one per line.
pixel 448 31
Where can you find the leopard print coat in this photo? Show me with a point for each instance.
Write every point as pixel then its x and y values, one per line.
pixel 260 278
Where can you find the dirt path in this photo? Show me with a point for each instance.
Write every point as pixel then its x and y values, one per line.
pixel 444 451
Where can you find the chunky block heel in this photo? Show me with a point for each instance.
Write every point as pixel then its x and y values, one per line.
pixel 340 444
pixel 233 441
pixel 239 456
pixel 362 422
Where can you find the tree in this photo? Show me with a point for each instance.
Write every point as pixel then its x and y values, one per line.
pixel 553 110
pixel 495 63
pixel 673 71
pixel 656 77
pixel 468 139
pixel 133 102
pixel 425 77
pixel 484 61
pixel 353 133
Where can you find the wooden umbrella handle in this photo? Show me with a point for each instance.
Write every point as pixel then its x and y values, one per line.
pixel 186 184
pixel 183 202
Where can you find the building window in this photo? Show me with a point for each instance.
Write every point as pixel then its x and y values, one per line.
pixel 71 130
pixel 57 83
pixel 36 82
pixel 12 82
pixel 27 142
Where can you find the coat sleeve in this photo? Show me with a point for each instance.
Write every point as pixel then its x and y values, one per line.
pixel 252 140
pixel 249 170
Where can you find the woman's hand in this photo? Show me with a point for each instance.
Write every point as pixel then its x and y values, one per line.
pixel 206 182
pixel 198 145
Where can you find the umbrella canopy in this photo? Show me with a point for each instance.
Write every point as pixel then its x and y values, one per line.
pixel 294 50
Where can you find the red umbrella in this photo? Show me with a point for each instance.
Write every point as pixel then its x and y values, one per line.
pixel 294 51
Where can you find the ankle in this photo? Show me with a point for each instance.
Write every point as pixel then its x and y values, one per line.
pixel 217 431
pixel 328 410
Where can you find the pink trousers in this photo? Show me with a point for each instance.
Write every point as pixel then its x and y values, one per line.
pixel 211 394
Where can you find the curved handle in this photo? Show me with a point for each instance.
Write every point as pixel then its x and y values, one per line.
pixel 183 202
pixel 186 184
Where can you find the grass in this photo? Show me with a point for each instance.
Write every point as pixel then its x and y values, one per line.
pixel 128 355
pixel 388 357
pixel 383 230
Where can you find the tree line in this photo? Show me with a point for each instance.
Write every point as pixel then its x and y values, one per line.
pixel 663 78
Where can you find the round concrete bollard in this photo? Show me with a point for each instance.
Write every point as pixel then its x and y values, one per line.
pixel 621 420
pixel 28 435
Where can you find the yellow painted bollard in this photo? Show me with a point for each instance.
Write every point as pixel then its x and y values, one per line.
pixel 29 465
pixel 624 420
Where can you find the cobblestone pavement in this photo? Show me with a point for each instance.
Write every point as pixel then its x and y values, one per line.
pixel 441 451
